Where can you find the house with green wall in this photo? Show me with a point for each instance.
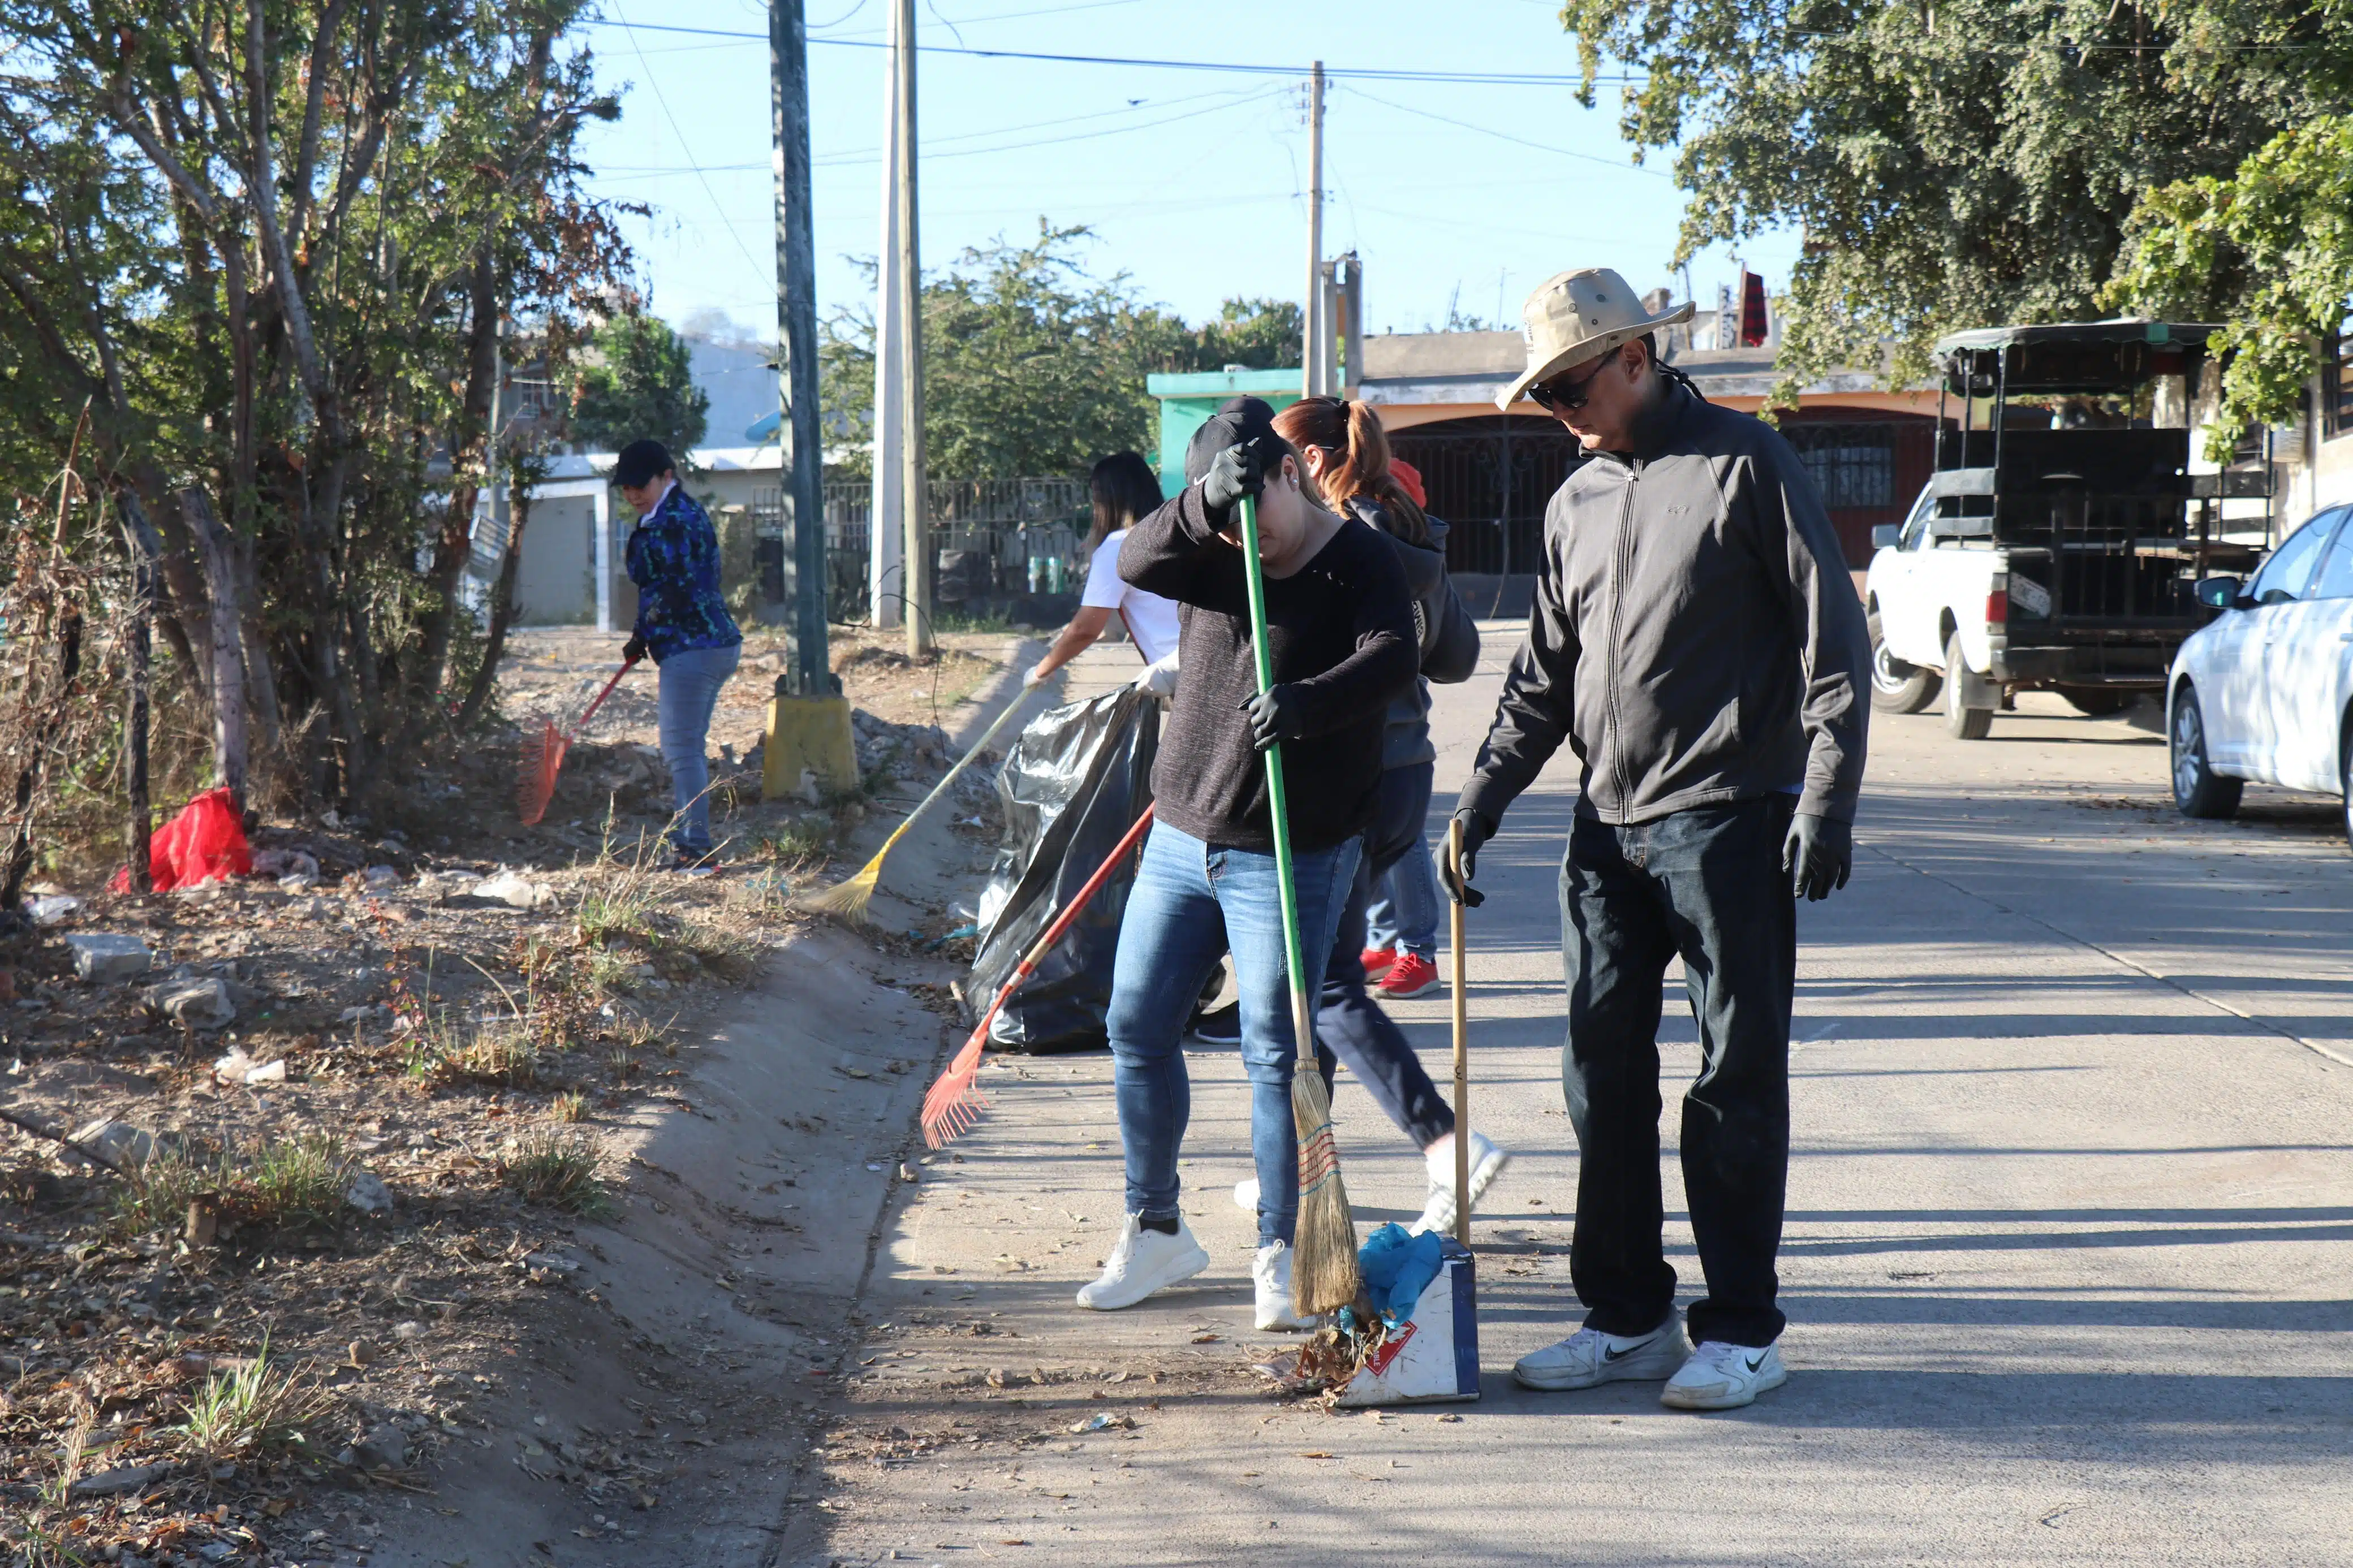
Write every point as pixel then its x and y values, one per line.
pixel 1186 402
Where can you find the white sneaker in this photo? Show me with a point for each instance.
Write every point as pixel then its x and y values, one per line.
pixel 1143 1262
pixel 1590 1358
pixel 1487 1162
pixel 1270 1272
pixel 1246 1195
pixel 1723 1377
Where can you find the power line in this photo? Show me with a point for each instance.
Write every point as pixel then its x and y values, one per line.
pixel 716 204
pixel 1474 78
pixel 1507 136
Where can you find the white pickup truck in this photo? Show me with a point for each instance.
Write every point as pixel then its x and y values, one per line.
pixel 1942 598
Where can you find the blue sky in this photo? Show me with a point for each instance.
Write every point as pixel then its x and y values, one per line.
pixel 1194 181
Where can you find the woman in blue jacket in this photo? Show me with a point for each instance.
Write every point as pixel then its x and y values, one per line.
pixel 683 624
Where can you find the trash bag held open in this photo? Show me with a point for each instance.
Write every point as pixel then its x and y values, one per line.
pixel 1076 780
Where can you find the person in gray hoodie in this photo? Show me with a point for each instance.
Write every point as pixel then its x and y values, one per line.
pixel 1348 456
pixel 1696 640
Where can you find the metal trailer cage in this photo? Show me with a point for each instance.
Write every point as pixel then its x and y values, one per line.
pixel 2080 469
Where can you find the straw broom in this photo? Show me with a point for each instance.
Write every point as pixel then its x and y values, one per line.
pixel 1324 1274
pixel 848 901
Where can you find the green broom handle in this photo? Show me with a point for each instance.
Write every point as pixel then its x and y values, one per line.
pixel 1277 804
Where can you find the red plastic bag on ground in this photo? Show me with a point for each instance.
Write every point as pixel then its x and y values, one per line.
pixel 203 844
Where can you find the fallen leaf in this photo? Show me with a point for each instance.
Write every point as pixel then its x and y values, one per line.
pixel 1316 1454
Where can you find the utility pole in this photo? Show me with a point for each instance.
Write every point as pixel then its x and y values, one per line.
pixel 916 571
pixel 1318 328
pixel 886 526
pixel 807 743
pixel 798 433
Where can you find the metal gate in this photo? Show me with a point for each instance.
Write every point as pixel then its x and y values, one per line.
pixel 1489 477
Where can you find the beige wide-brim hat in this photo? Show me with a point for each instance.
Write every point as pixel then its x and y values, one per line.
pixel 1574 316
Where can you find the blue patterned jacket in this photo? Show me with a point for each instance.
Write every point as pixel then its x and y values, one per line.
pixel 674 561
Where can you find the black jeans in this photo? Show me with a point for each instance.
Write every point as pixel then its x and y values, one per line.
pixel 1349 1023
pixel 1708 884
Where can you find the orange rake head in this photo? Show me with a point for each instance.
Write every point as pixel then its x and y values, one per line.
pixel 955 1102
pixel 542 756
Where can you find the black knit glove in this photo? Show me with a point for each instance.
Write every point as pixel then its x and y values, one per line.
pixel 633 650
pixel 1818 854
pixel 1476 830
pixel 1278 713
pixel 1234 473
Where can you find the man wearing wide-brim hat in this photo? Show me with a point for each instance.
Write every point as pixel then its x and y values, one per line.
pixel 1696 639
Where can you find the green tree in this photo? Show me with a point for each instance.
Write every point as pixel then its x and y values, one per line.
pixel 256 265
pixel 2266 248
pixel 640 384
pixel 1033 367
pixel 1952 163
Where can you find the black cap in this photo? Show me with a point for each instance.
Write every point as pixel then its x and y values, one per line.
pixel 1239 420
pixel 640 463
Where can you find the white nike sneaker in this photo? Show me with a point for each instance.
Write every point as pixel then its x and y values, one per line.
pixel 1487 1162
pixel 1246 1195
pixel 1723 1377
pixel 1590 1358
pixel 1270 1272
pixel 1143 1262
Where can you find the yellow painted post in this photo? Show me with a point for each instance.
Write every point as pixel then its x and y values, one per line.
pixel 811 735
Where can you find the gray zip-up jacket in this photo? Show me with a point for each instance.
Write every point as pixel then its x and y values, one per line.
pixel 1449 637
pixel 1695 636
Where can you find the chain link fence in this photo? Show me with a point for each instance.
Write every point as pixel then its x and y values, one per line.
pixel 993 542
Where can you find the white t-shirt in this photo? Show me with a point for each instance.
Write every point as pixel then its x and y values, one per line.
pixel 1151 619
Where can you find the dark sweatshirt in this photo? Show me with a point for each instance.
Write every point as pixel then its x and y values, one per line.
pixel 1448 637
pixel 1341 628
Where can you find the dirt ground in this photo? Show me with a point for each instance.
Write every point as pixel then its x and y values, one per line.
pixel 455 1220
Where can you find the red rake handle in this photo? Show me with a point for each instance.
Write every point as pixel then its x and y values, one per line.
pixel 969 1056
pixel 582 723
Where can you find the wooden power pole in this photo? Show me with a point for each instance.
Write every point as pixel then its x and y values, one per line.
pixel 798 435
pixel 915 571
pixel 1312 378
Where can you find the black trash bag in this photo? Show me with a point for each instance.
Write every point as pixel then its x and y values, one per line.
pixel 1070 788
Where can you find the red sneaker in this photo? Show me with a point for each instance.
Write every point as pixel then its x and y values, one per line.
pixel 1411 975
pixel 1377 961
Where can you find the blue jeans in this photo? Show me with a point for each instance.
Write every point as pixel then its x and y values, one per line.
pixel 691 680
pixel 1190 903
pixel 1706 884
pixel 1402 913
pixel 1348 1023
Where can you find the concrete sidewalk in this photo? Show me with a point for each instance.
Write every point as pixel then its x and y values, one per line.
pixel 2069 1261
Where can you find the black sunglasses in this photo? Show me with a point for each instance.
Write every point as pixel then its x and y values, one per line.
pixel 1548 394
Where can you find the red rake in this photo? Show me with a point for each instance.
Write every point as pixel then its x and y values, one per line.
pixel 955 1102
pixel 542 754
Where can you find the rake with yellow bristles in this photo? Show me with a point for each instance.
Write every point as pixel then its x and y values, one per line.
pixel 848 899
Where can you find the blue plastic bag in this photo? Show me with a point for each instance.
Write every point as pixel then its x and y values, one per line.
pixel 1398 1267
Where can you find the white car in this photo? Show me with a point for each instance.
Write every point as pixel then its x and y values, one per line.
pixel 2265 692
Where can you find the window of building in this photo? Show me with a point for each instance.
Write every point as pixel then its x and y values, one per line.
pixel 2337 381
pixel 1853 466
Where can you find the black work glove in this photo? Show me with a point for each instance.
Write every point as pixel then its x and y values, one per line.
pixel 1818 854
pixel 1234 473
pixel 633 650
pixel 1278 713
pixel 1476 830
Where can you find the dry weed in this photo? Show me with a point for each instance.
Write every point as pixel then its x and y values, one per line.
pixel 544 1166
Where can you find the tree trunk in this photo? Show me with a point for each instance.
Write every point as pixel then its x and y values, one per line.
pixel 503 600
pixel 140 536
pixel 217 555
pixel 472 455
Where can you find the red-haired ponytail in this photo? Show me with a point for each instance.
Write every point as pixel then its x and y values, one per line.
pixel 1351 434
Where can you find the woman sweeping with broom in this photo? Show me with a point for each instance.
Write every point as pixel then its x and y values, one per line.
pixel 1341 643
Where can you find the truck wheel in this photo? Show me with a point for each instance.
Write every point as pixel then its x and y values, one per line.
pixel 2096 701
pixel 1962 723
pixel 2198 789
pixel 1898 687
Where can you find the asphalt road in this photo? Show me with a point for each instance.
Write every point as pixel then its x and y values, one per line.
pixel 2069 1260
